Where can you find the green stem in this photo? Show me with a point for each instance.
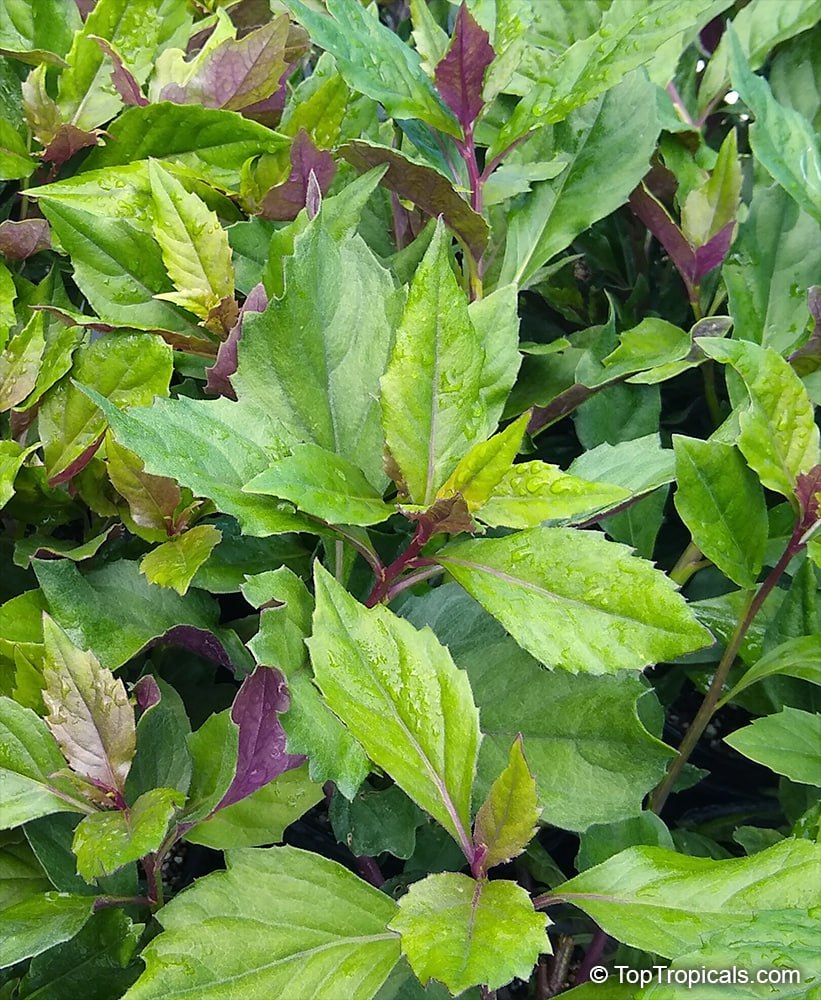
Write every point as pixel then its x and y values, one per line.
pixel 708 375
pixel 689 562
pixel 708 706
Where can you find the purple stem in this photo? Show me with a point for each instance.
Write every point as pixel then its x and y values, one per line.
pixel 405 560
pixel 411 581
pixel 592 956
pixel 681 107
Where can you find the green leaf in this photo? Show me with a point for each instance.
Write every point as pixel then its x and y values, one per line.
pixel 323 484
pixel 376 62
pixel 12 457
pixel 758 28
pixel 15 159
pixel 30 927
pixel 21 875
pixel 644 896
pixel 774 260
pixel 210 143
pixel 313 359
pixel 592 758
pixel 621 128
pixel 639 466
pixel 118 268
pixel 782 140
pixel 479 473
pixel 506 821
pixel 106 841
pixel 211 446
pixel 628 36
pixel 194 245
pixel 238 556
pixel 260 818
pixel 127 369
pixel 534 492
pixel 375 671
pixel 799 658
pixel 465 933
pixel 576 601
pixel 89 713
pixel 213 748
pixel 778 435
pixel 653 342
pixel 602 840
pixel 788 743
pixel 20 361
pixel 721 501
pixel 496 320
pixel 375 821
pixel 291 946
pixel 96 964
pixel 28 758
pixel 432 408
pixel 116 612
pixel 175 563
pixel 162 759
pixel 750 944
pixel 714 205
pixel 310 726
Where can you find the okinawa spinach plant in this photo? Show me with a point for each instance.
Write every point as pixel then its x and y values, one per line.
pixel 408 459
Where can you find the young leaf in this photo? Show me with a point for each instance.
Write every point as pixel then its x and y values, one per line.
pixel 374 61
pixel 28 759
pixel 310 726
pixel 721 501
pixel 461 71
pixel 30 927
pixel 592 758
pixel 779 437
pixel 89 713
pixel 313 359
pixel 576 601
pixel 194 245
pixel 106 841
pixel 644 896
pixel 152 500
pixel 506 821
pixel 621 126
pixel 375 670
pixel 431 405
pixel 534 492
pixel 788 743
pixel 708 209
pixel 175 562
pixel 466 933
pixel 291 946
pixel 782 140
pixel 286 200
pixel 325 485
pixel 485 466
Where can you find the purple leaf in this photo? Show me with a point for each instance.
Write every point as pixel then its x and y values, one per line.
pixel 121 76
pixel 261 755
pixel 77 465
pixel 285 201
pixel 196 640
pixel 461 73
pixel 448 514
pixel 655 216
pixel 218 381
pixel 237 73
pixel 713 252
pixel 68 140
pixel 808 492
pixel 20 240
pixel 147 692
pixel 425 187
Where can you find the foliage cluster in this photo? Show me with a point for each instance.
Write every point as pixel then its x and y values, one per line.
pixel 409 479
